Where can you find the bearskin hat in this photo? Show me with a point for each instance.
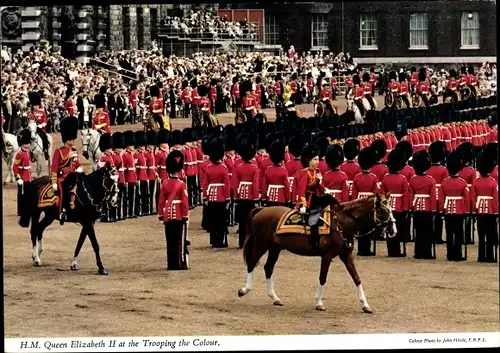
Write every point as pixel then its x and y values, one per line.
pixel 216 149
pixel 396 160
pixel 197 133
pixel 334 156
pixel 235 79
pixel 154 91
pixel 133 86
pixel 366 77
pixel 216 131
pixel 187 135
pixel 163 136
pixel 24 137
pixel 159 84
pixel 295 146
pixel 463 70
pixel 491 150
pixel 35 99
pixel 247 150
pixel 470 70
pixel 100 101
pixel 380 147
pixel 151 138
pixel 392 75
pixel 437 151
pixel 421 161
pixel 453 163
pixel 69 128
pixel 351 148
pixel 367 158
pixel 406 147
pixel 140 138
pixel 294 76
pixel 213 82
pixel 270 138
pixel 204 144
pixel 245 86
pixel 309 75
pixel 322 144
pixel 129 138
pixel 185 84
pixel 175 138
pixel 413 69
pixel 175 161
pixel 466 152
pixel 453 73
pixel 316 133
pixel 278 77
pixel 308 153
pixel 421 77
pixel 105 142
pixel 277 152
pixel 261 141
pixel 103 90
pixel 356 80
pixel 69 90
pixel 202 90
pixel 230 142
pixel 484 163
pixel 193 83
pixel 118 140
pixel 402 77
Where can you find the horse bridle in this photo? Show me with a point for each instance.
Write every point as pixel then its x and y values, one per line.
pixel 379 223
pixel 107 191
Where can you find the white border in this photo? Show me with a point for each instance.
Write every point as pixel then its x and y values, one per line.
pixel 255 343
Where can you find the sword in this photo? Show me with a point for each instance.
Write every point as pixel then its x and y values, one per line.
pixel 465 237
pixel 185 244
pixel 433 238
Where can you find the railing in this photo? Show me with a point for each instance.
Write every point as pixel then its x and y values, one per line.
pixel 110 68
pixel 205 34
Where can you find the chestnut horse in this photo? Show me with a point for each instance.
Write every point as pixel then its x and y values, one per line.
pixel 346 220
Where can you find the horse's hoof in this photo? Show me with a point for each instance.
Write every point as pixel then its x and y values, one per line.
pixel 37 264
pixel 367 310
pixel 278 303
pixel 320 308
pixel 103 272
pixel 74 268
pixel 242 292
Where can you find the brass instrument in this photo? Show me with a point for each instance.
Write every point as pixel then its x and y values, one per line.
pixel 299 113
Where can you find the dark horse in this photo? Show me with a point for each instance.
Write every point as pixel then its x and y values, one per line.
pixel 346 219
pixel 91 191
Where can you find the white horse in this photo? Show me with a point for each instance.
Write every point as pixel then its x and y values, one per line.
pixel 350 106
pixel 11 149
pixel 36 148
pixel 90 143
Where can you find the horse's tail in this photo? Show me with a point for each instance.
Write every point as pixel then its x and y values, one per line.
pixel 249 243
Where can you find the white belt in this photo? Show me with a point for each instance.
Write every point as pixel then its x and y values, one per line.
pixel 162 167
pixel 121 169
pixel 481 199
pixel 28 167
pixel 190 163
pixel 447 199
pixel 141 167
pixel 150 167
pixel 291 179
pixel 272 187
pixel 176 201
pixel 130 168
pixel 243 183
pixel 396 195
pixel 365 194
pixel 420 196
pixel 214 185
pixel 332 191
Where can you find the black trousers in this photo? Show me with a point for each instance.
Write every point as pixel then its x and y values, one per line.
pixel 454 225
pixel 365 246
pixel 394 244
pixel 216 224
pixel 142 198
pixel 157 194
pixel 469 230
pixel 487 237
pixel 119 212
pixel 131 200
pixel 174 233
pixel 369 98
pixel 187 110
pixel 45 139
pixel 204 218
pixel 151 196
pixel 192 191
pixel 112 115
pixel 422 224
pixel 23 203
pixel 437 231
pixel 242 212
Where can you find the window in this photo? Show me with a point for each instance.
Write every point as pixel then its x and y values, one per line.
pixel 419 25
pixel 470 30
pixel 272 31
pixel 140 28
pixel 368 31
pixel 319 31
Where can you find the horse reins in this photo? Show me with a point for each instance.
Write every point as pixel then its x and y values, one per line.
pixel 376 220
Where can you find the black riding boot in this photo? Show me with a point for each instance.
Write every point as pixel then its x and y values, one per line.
pixel 315 237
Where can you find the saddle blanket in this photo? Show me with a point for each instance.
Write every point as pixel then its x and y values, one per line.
pixel 47 197
pixel 293 222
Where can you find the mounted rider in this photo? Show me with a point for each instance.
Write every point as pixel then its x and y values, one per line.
pixel 205 107
pixel 235 94
pixel 368 88
pixel 452 87
pixel 472 81
pixel 39 116
pixel 64 162
pixel 101 120
pixel 358 93
pixel 156 108
pixel 404 89
pixel 413 78
pixel 423 88
pixel 248 101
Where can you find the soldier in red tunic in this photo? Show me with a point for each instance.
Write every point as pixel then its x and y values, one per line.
pixel 152 171
pixel 130 171
pixel 350 167
pixel 39 116
pixel 368 89
pixel 133 101
pixel 379 169
pixel 248 101
pixel 334 181
pixel 452 87
pixel 229 161
pixel 235 94
pixel 106 147
pixel 142 192
pixel 404 89
pixel 365 184
pixel 70 104
pixel 309 190
pixel 173 211
pixel 310 88
pixel 186 99
pixel 423 199
pixel 454 201
pixel 395 183
pixel 213 94
pixel 407 148
pixel 190 166
pixel 22 172
pixel 295 146
pixel 423 88
pixel 216 191
pixel 119 148
pixel 66 161
pixel 101 122
pixel 437 151
pixel 466 152
pixel 413 78
pixel 275 184
pixel 484 197
pixel 245 186
pixel 358 94
pixel 201 170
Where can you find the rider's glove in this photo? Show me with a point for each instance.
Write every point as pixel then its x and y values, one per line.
pixel 20 181
pixel 79 170
pixel 54 187
pixel 302 210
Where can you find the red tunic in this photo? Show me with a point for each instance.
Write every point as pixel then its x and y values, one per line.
pixel 367 88
pixel 275 185
pixel 118 160
pixel 161 164
pixel 484 195
pixel 333 83
pixel 348 81
pixel 468 174
pixel 359 93
pixel 129 167
pixel 351 169
pixel 173 202
pixel 264 163
pixel 204 104
pixel 70 107
pixel 245 181
pixel 494 173
pixel 156 106
pixel 140 165
pixel 106 158
pixel 308 183
pixel 22 165
pixel 277 88
pixel 398 186
pixel 364 185
pixel 215 184
pixel 202 167
pixel 423 88
pixel 293 166
pixel 40 119
pixel 196 97
pixel 248 103
pixel 454 196
pixel 186 96
pixel 334 183
pixel 310 85
pixel 293 86
pixel 323 167
pixel 190 161
pixel 373 80
pixel 423 193
pixel 414 78
pixel 101 122
pixel 452 84
pixel 394 87
pixel 229 162
pixel 133 99
pixel 438 173
pixel 403 88
pixel 150 164
pixel 213 93
pixel 235 91
pixel 325 93
pixel 64 162
pixel 380 170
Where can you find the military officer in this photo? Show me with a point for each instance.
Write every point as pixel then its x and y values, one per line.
pixel 119 148
pixel 152 170
pixel 350 167
pixel 437 152
pixel 106 147
pixel 22 171
pixel 466 153
pixel 275 184
pixel 142 191
pixel 334 181
pixel 130 171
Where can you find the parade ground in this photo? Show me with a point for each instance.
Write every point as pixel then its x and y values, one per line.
pixel 140 298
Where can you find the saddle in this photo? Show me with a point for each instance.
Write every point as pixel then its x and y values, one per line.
pixel 47 197
pixel 293 222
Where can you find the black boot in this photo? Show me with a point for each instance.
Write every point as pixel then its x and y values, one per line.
pixel 315 237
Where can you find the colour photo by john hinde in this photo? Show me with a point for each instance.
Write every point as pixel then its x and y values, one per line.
pixel 249 169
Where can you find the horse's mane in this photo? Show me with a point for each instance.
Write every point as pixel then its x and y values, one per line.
pixel 349 205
